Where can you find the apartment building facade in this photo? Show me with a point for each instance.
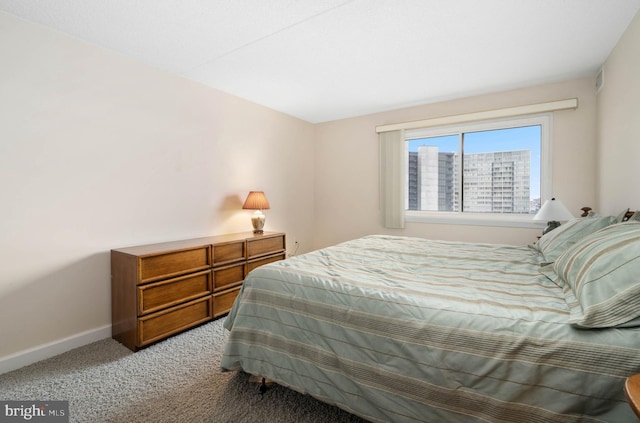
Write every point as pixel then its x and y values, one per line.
pixel 493 182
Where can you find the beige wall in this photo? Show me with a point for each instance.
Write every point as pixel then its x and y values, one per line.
pixel 619 125
pixel 99 152
pixel 347 200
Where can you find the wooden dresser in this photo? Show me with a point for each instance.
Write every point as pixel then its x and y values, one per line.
pixel 159 290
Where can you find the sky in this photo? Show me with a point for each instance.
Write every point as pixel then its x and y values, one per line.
pixel 511 139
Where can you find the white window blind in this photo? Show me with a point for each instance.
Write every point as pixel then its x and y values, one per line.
pixel 392 178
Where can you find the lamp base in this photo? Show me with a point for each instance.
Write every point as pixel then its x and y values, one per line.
pixel 257 220
pixel 551 225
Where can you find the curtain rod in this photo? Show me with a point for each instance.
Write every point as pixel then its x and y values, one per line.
pixel 551 106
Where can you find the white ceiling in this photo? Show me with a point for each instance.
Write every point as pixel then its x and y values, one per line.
pixel 322 60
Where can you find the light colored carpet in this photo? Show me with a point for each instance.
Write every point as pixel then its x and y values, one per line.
pixel 177 380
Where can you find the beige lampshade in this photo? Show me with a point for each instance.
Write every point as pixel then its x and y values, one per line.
pixel 256 200
pixel 553 210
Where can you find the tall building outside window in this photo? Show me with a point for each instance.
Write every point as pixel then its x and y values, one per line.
pixel 488 171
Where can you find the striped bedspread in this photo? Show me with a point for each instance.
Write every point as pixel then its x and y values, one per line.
pixel 398 329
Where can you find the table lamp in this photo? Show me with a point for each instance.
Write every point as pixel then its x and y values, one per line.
pixel 553 211
pixel 256 200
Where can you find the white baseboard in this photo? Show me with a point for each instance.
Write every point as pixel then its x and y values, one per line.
pixel 51 349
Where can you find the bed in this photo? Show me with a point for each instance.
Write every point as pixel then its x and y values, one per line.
pixel 401 329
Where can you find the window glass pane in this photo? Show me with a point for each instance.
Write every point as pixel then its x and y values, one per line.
pixel 501 170
pixel 432 173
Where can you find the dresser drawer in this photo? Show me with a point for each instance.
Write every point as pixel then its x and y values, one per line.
pixel 154 327
pixel 261 261
pixel 260 246
pixel 225 277
pixel 174 263
pixel 228 252
pixel 223 301
pixel 158 295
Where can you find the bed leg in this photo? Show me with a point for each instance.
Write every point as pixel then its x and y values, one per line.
pixel 263 383
pixel 263 387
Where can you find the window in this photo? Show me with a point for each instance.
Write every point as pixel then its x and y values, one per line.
pixel 491 170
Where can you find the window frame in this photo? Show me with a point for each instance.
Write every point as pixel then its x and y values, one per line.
pixel 545 120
